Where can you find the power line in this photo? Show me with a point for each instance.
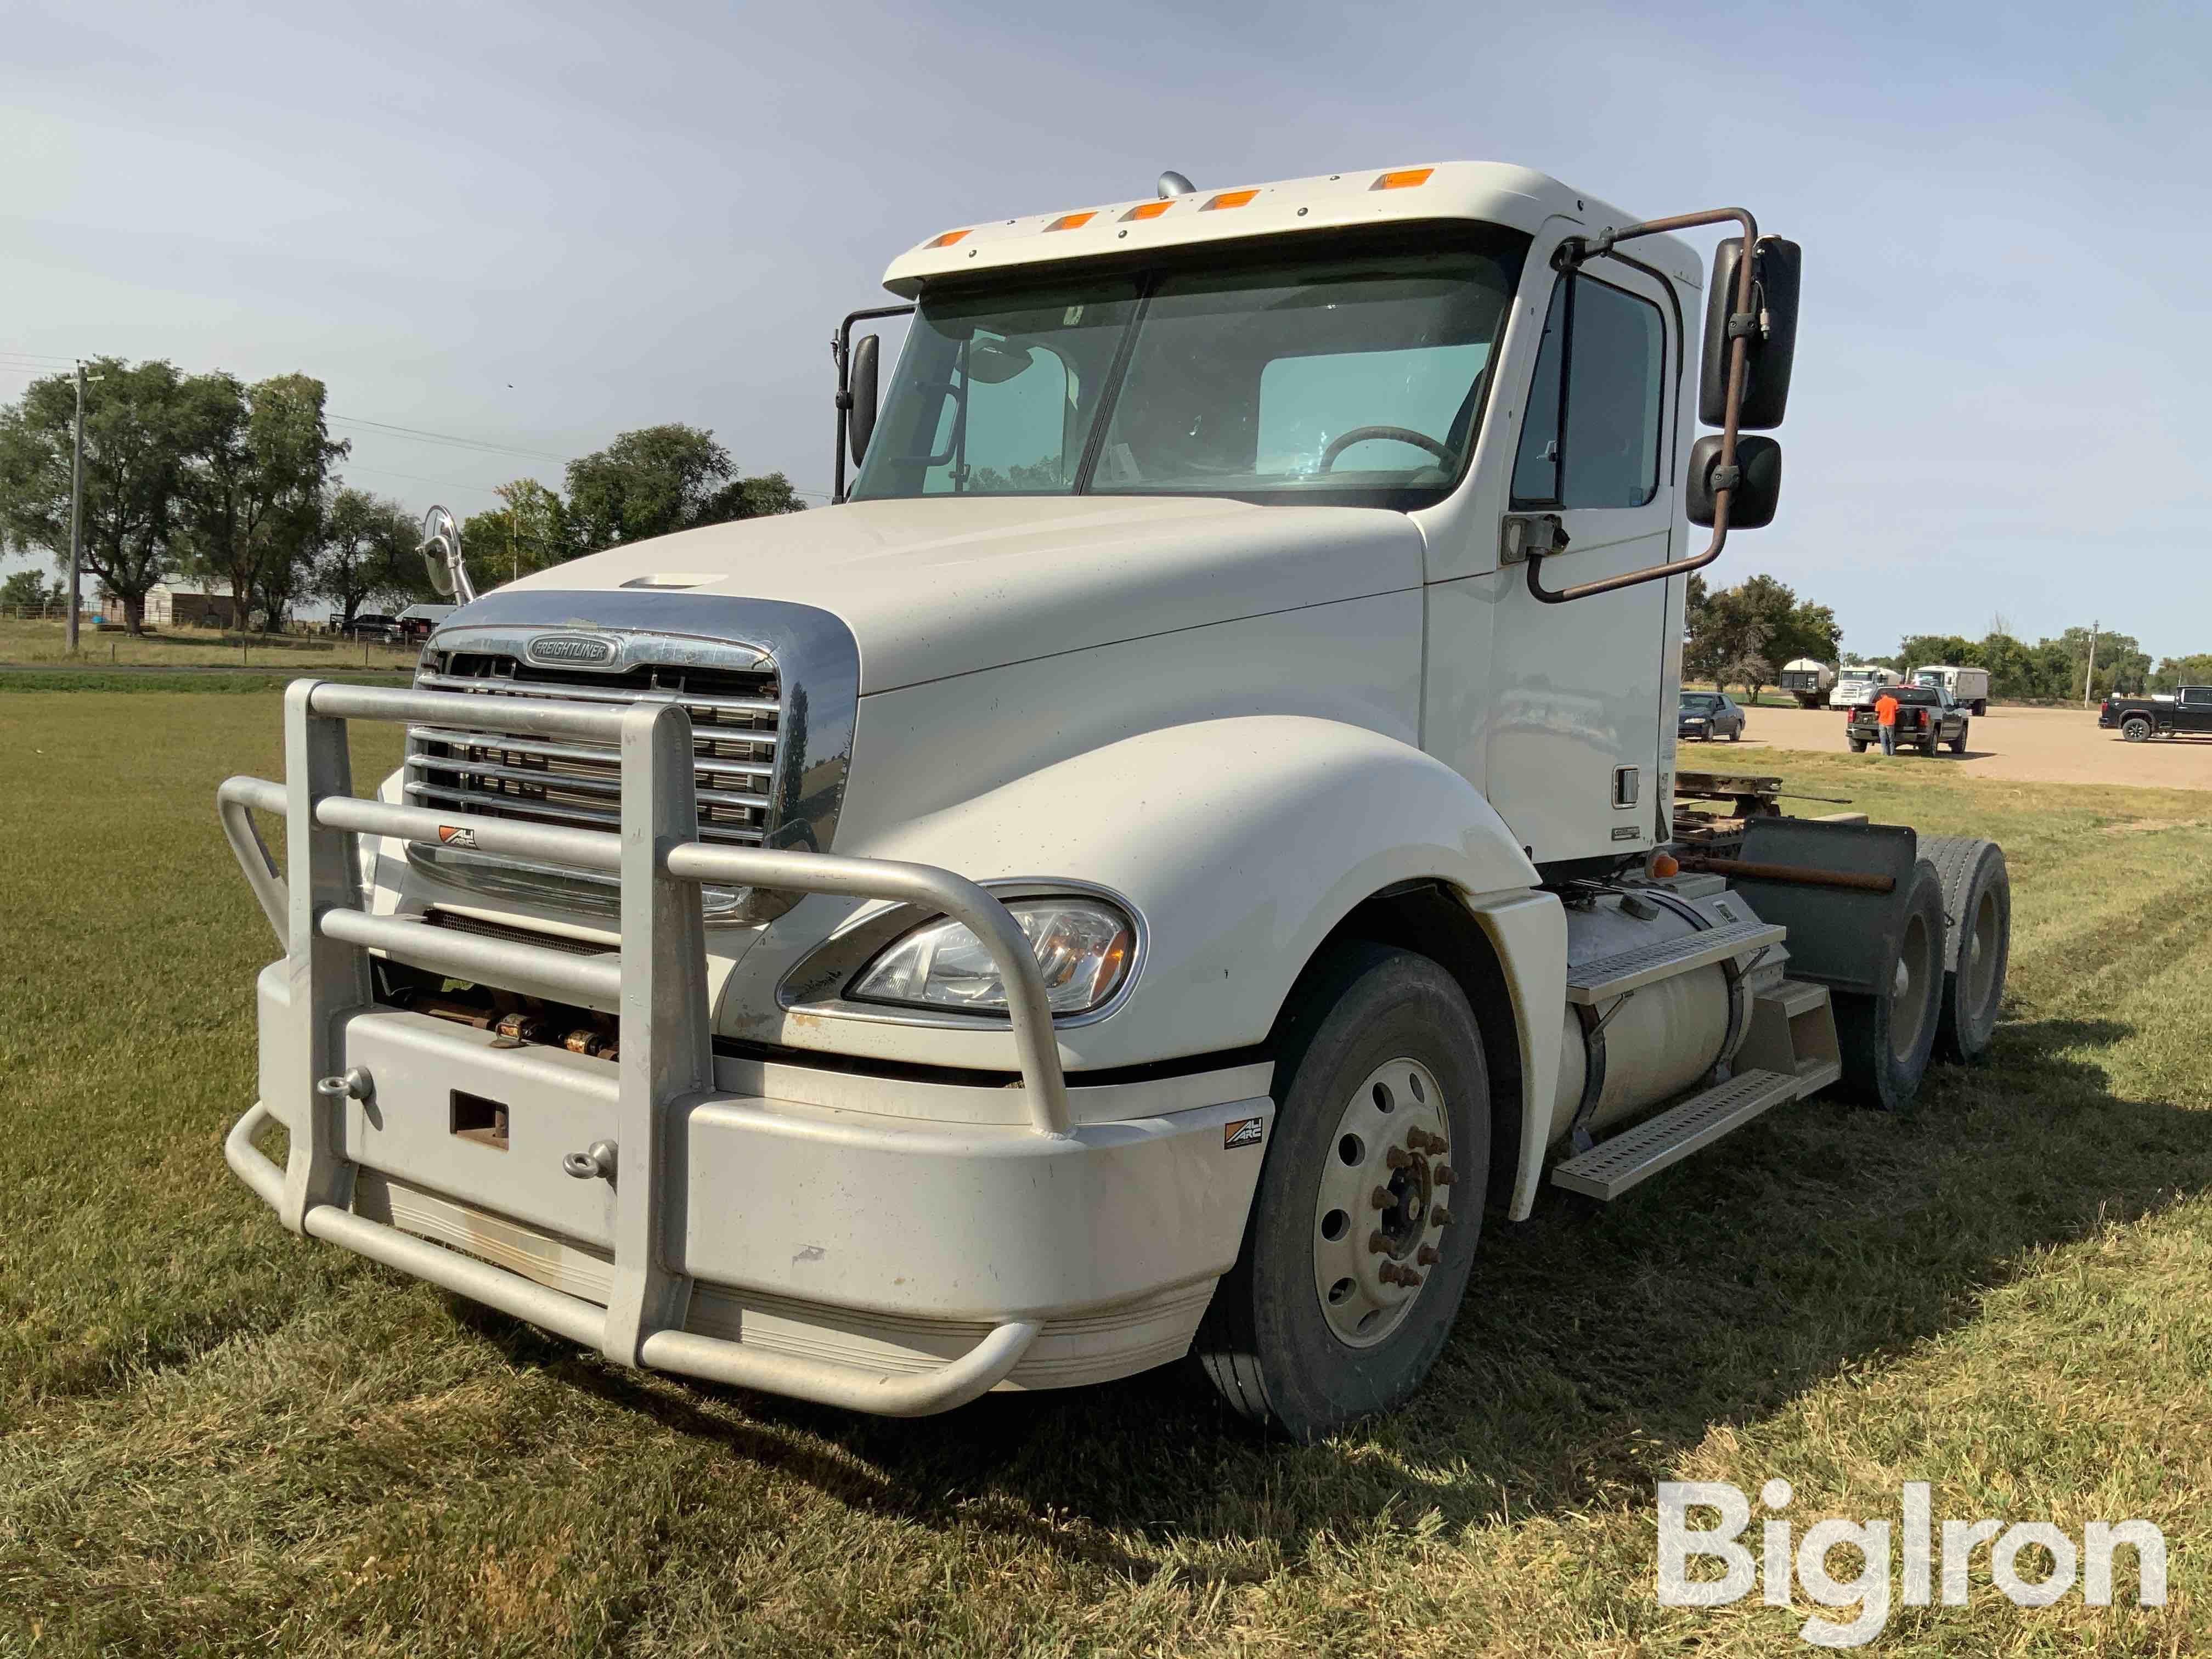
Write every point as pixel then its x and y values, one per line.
pixel 420 436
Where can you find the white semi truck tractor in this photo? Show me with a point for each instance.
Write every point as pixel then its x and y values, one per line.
pixel 1174 856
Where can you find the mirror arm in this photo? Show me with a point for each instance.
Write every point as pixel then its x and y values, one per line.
pixel 841 349
pixel 1739 355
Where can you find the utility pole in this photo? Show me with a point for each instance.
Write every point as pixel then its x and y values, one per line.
pixel 76 507
pixel 2088 679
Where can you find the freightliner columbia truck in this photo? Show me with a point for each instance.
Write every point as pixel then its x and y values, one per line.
pixel 1178 850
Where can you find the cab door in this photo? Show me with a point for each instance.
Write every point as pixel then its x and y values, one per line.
pixel 1582 733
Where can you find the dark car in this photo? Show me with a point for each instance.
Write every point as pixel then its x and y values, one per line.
pixel 1707 715
pixel 1926 716
pixel 2187 711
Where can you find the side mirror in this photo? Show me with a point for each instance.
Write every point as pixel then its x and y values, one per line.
pixel 860 421
pixel 1758 492
pixel 440 550
pixel 1774 340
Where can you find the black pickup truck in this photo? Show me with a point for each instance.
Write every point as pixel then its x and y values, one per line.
pixel 2183 713
pixel 1926 716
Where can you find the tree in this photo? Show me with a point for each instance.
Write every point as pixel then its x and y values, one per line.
pixel 366 552
pixel 1743 635
pixel 2172 672
pixel 138 437
pixel 660 479
pixel 529 533
pixel 253 504
pixel 1922 650
pixel 26 590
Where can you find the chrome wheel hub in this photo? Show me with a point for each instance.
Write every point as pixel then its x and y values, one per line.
pixel 1384 1200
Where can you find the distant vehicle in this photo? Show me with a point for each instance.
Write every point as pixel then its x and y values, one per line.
pixel 1926 715
pixel 2187 712
pixel 1854 684
pixel 417 621
pixel 1808 681
pixel 1707 715
pixel 1970 686
pixel 372 625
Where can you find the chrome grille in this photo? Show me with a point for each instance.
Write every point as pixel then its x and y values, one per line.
pixel 734 718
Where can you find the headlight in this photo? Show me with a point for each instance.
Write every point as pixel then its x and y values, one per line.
pixel 1083 948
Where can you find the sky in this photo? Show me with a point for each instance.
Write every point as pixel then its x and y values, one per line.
pixel 525 229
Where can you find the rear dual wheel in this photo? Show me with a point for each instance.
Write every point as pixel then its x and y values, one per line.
pixel 1977 948
pixel 1886 1035
pixel 1362 1232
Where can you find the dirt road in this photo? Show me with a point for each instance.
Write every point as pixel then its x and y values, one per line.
pixel 2040 745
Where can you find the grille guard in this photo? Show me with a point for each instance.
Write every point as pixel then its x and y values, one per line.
pixel 659 990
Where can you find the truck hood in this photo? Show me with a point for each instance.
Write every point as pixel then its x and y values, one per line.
pixel 937 588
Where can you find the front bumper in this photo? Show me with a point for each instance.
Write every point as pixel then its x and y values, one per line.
pixel 841 1238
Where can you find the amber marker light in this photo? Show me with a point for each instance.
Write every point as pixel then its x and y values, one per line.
pixel 1229 198
pixel 1146 210
pixel 1072 220
pixel 1404 178
pixel 945 240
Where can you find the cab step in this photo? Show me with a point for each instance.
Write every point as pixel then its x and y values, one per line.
pixel 1629 970
pixel 1611 1167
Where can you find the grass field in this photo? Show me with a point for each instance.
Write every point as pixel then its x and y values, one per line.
pixel 215 1438
pixel 46 643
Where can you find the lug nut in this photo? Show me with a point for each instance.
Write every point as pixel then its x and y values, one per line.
pixel 1422 1141
pixel 1380 1198
pixel 1397 1158
pixel 1441 1216
pixel 1427 1255
pixel 1443 1174
pixel 1377 1244
pixel 1409 1279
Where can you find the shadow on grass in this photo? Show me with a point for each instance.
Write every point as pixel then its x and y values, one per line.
pixel 1595 1346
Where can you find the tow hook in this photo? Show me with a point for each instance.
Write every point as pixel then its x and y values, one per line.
pixel 355 1085
pixel 595 1163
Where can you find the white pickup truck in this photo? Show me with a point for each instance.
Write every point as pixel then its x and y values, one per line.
pixel 1155 871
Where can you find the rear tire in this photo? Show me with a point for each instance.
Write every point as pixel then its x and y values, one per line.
pixel 1886 1036
pixel 1981 706
pixel 1978 943
pixel 1736 734
pixel 2135 728
pixel 1283 1348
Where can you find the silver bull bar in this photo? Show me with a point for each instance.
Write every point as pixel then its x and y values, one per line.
pixel 657 985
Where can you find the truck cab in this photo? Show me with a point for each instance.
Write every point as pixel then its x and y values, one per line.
pixel 1174 849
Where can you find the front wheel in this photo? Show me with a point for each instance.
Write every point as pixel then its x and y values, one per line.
pixel 1959 743
pixel 2135 728
pixel 1858 744
pixel 1362 1233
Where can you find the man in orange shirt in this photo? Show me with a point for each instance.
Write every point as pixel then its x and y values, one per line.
pixel 1884 714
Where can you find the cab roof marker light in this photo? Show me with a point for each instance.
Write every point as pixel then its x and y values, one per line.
pixel 1147 211
pixel 1072 220
pixel 1403 178
pixel 1229 198
pixel 945 240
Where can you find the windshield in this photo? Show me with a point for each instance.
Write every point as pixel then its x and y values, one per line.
pixel 1355 380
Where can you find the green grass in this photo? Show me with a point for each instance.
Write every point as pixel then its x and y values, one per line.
pixel 215 1438
pixel 45 643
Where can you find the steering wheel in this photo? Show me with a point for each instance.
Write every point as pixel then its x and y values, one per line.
pixel 1403 434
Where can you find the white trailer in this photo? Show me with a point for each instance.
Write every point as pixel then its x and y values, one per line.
pixel 1970 686
pixel 1155 871
pixel 1807 680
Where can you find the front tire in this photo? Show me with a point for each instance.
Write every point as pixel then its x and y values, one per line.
pixel 1959 743
pixel 1339 1304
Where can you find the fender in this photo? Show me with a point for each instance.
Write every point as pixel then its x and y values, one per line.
pixel 1240 842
